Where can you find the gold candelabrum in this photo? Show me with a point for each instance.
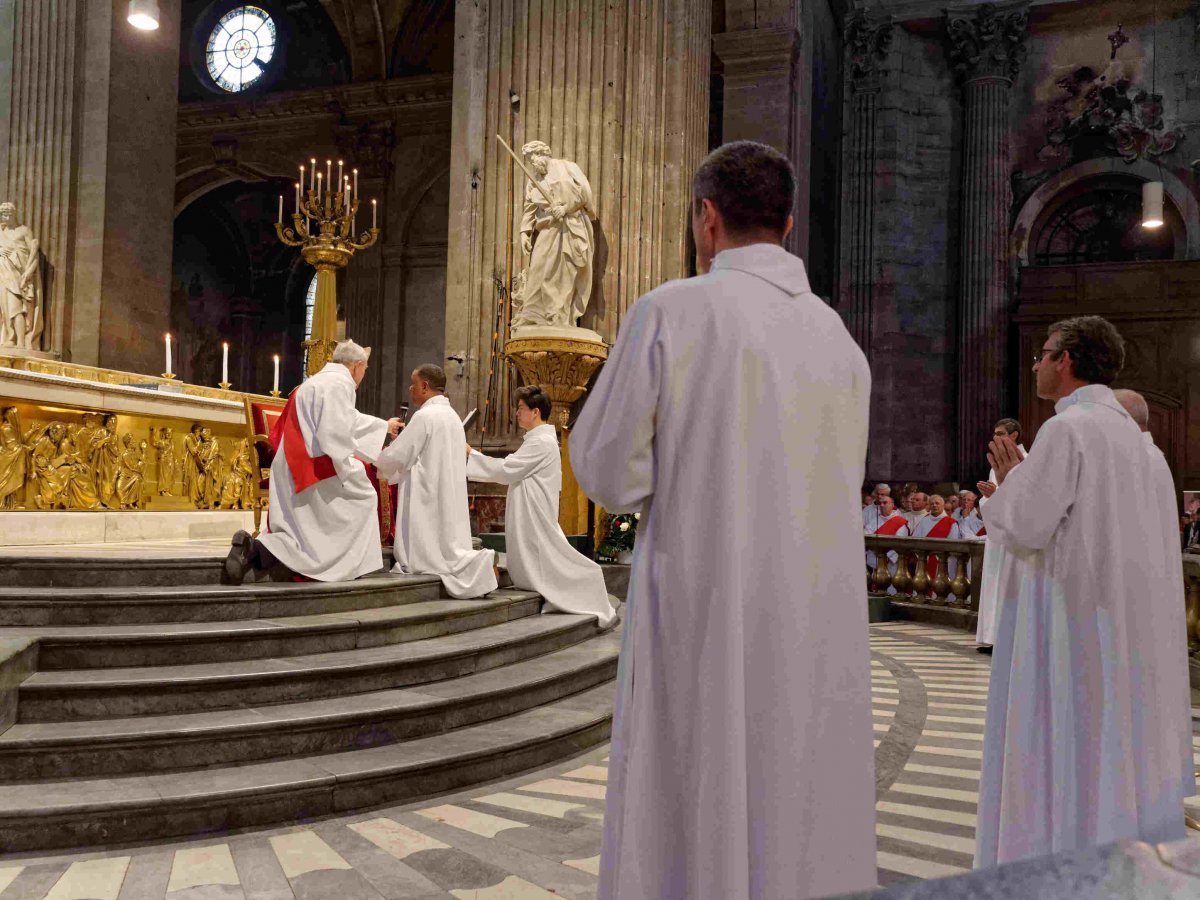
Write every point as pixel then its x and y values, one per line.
pixel 324 228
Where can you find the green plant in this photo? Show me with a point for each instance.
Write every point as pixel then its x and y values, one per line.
pixel 619 535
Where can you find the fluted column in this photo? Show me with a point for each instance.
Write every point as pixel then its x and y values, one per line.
pixel 867 45
pixel 987 47
pixel 621 89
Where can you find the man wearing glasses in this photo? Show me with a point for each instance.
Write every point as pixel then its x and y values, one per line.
pixel 1088 734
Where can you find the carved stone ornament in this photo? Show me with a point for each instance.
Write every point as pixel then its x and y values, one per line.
pixel 561 366
pixel 867 45
pixel 370 145
pixel 989 43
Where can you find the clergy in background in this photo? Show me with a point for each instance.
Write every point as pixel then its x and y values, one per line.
pixel 1088 735
pixel 538 555
pixel 322 520
pixel 1164 482
pixel 428 463
pixel 742 761
pixel 985 624
pixel 937 524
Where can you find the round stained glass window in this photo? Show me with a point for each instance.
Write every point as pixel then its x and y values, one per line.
pixel 240 47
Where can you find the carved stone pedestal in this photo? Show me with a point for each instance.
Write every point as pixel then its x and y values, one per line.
pixel 562 366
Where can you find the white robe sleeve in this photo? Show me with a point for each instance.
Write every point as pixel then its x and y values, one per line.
pixel 612 443
pixel 955 532
pixel 402 454
pixel 1028 508
pixel 509 470
pixel 341 430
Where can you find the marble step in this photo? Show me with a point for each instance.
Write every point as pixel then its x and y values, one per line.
pixel 93 748
pixel 103 603
pixel 171 689
pixel 116 646
pixel 90 812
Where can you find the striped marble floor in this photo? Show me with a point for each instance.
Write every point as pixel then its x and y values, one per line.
pixel 538 835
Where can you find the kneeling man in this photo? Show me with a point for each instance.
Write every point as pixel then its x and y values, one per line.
pixel 322 521
pixel 428 463
pixel 539 557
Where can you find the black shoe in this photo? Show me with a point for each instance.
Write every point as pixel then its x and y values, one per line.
pixel 237 563
pixel 984 648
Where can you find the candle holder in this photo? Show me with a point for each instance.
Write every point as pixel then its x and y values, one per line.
pixel 168 375
pixel 224 385
pixel 275 393
pixel 323 227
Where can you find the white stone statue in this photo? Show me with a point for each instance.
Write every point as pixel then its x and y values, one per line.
pixel 557 236
pixel 20 283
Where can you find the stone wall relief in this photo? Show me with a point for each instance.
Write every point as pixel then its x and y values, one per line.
pixel 91 464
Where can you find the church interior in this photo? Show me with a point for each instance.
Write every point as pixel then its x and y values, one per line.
pixel 177 258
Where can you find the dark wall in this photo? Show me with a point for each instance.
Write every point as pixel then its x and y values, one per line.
pixel 309 52
pixel 825 153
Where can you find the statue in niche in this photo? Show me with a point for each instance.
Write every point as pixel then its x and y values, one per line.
pixel 80 489
pixel 558 238
pixel 163 440
pixel 20 283
pixel 105 454
pixel 14 458
pixel 132 474
pixel 235 492
pixel 50 470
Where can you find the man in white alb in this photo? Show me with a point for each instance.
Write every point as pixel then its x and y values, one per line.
pixel 985 624
pixel 535 548
pixel 1135 404
pixel 747 551
pixel 870 514
pixel 937 524
pixel 918 508
pixel 322 522
pixel 1088 735
pixel 428 463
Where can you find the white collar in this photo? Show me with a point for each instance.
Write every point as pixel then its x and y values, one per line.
pixel 437 400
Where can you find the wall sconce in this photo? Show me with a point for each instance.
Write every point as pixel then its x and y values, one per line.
pixel 143 14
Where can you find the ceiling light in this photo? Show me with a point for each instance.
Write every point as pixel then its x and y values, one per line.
pixel 1152 204
pixel 143 14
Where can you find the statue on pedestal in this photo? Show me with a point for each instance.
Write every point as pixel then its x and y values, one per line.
pixel 558 238
pixel 20 283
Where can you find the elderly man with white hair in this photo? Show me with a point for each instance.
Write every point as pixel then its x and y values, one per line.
pixel 871 516
pixel 322 521
pixel 1164 482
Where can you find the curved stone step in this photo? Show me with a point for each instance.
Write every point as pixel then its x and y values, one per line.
pixel 155 743
pixel 42 607
pixel 162 689
pixel 90 812
pixel 102 647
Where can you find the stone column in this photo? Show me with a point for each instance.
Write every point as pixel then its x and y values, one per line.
pixel 987 47
pixel 621 89
pixel 84 86
pixel 867 45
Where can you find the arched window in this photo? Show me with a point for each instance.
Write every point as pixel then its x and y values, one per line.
pixel 310 301
pixel 240 47
pixel 1100 220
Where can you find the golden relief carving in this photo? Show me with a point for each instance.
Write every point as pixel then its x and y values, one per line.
pixel 163 441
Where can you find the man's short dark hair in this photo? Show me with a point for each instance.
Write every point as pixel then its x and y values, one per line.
pixel 1096 347
pixel 1011 426
pixel 534 397
pixel 433 376
pixel 752 185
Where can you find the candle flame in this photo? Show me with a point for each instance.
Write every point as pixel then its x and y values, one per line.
pixel 276 357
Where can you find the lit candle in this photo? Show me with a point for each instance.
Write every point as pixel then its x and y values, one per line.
pixel 373 211
pixel 281 209
pixel 169 369
pixel 346 194
pixel 329 172
pixel 224 363
pixel 298 196
pixel 312 175
pixel 275 387
pixel 340 179
pixel 356 184
pixel 300 185
pixel 318 189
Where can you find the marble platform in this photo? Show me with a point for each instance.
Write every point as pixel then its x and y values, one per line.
pixel 48 529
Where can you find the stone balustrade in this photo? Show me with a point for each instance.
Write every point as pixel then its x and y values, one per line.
pixel 911 579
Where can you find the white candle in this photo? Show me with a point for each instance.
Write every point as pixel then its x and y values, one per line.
pixel 356 184
pixel 281 209
pixel 224 363
pixel 318 189
pixel 374 223
pixel 169 369
pixel 340 179
pixel 346 194
pixel 329 172
pixel 297 198
pixel 276 385
pixel 312 175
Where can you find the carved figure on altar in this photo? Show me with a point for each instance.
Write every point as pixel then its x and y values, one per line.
pixel 132 474
pixel 80 490
pixel 14 457
pixel 20 283
pixel 163 440
pixel 208 455
pixel 105 455
pixel 558 238
pixel 235 492
pixel 193 475
pixel 50 469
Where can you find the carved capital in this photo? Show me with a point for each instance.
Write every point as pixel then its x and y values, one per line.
pixel 369 146
pixel 868 43
pixel 561 366
pixel 987 42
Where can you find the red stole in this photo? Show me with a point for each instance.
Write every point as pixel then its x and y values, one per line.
pixel 305 470
pixel 940 530
pixel 891 526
